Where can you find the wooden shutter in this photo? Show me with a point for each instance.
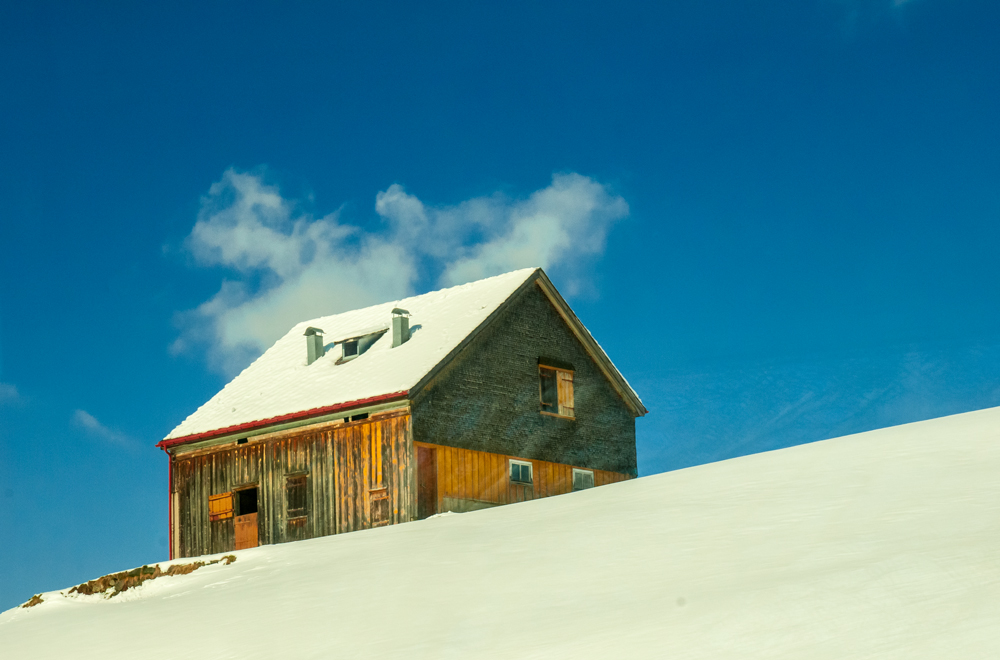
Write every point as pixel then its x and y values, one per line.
pixel 565 383
pixel 220 506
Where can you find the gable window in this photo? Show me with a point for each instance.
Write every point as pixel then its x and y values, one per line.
pixel 295 489
pixel 583 479
pixel 555 389
pixel 520 472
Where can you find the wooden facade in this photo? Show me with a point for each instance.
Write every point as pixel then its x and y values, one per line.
pixel 356 475
pixel 469 480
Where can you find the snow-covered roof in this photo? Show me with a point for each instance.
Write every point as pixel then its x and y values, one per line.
pixel 280 383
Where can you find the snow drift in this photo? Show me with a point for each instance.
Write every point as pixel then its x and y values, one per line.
pixel 883 544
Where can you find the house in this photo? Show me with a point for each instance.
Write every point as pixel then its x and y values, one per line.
pixel 483 394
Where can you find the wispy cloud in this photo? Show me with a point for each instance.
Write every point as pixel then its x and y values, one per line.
pixel 9 394
pixel 286 265
pixel 95 429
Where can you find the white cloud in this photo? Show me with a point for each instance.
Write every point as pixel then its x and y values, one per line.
pixel 9 393
pixel 84 420
pixel 290 266
pixel 557 226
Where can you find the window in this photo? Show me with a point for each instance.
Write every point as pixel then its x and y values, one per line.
pixel 583 479
pixel 295 488
pixel 549 390
pixel 555 390
pixel 353 347
pixel 520 472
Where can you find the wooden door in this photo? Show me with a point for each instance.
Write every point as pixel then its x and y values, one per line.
pixel 427 494
pixel 245 522
pixel 246 531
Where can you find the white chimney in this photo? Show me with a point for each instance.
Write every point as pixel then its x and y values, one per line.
pixel 400 327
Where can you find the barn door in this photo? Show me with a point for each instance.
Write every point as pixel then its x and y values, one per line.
pixel 426 482
pixel 246 518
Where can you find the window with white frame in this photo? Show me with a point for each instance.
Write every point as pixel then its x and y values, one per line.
pixel 520 472
pixel 583 479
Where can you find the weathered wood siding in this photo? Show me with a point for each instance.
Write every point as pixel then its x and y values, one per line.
pixel 195 479
pixel 343 483
pixel 374 463
pixel 482 477
pixel 359 475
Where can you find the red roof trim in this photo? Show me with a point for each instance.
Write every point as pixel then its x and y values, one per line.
pixel 261 423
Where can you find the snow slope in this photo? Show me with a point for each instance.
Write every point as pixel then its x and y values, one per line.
pixel 879 545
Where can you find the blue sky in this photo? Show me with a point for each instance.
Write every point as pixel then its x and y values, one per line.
pixel 779 219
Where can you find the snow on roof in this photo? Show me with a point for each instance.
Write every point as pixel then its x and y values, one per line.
pixel 877 545
pixel 280 382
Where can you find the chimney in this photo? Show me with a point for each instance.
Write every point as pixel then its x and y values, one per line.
pixel 314 344
pixel 400 327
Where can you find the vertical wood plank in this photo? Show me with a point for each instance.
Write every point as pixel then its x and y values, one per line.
pixel 469 475
pixel 444 475
pixel 474 491
pixel 491 462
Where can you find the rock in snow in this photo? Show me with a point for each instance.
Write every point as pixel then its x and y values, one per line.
pixel 884 544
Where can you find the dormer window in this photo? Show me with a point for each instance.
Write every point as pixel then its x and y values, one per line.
pixel 352 347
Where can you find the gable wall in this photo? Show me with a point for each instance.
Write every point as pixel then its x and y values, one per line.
pixel 487 398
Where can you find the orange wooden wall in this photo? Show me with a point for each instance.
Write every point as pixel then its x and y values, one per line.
pixel 484 477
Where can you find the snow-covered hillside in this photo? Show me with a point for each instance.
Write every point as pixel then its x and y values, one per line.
pixel 879 545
